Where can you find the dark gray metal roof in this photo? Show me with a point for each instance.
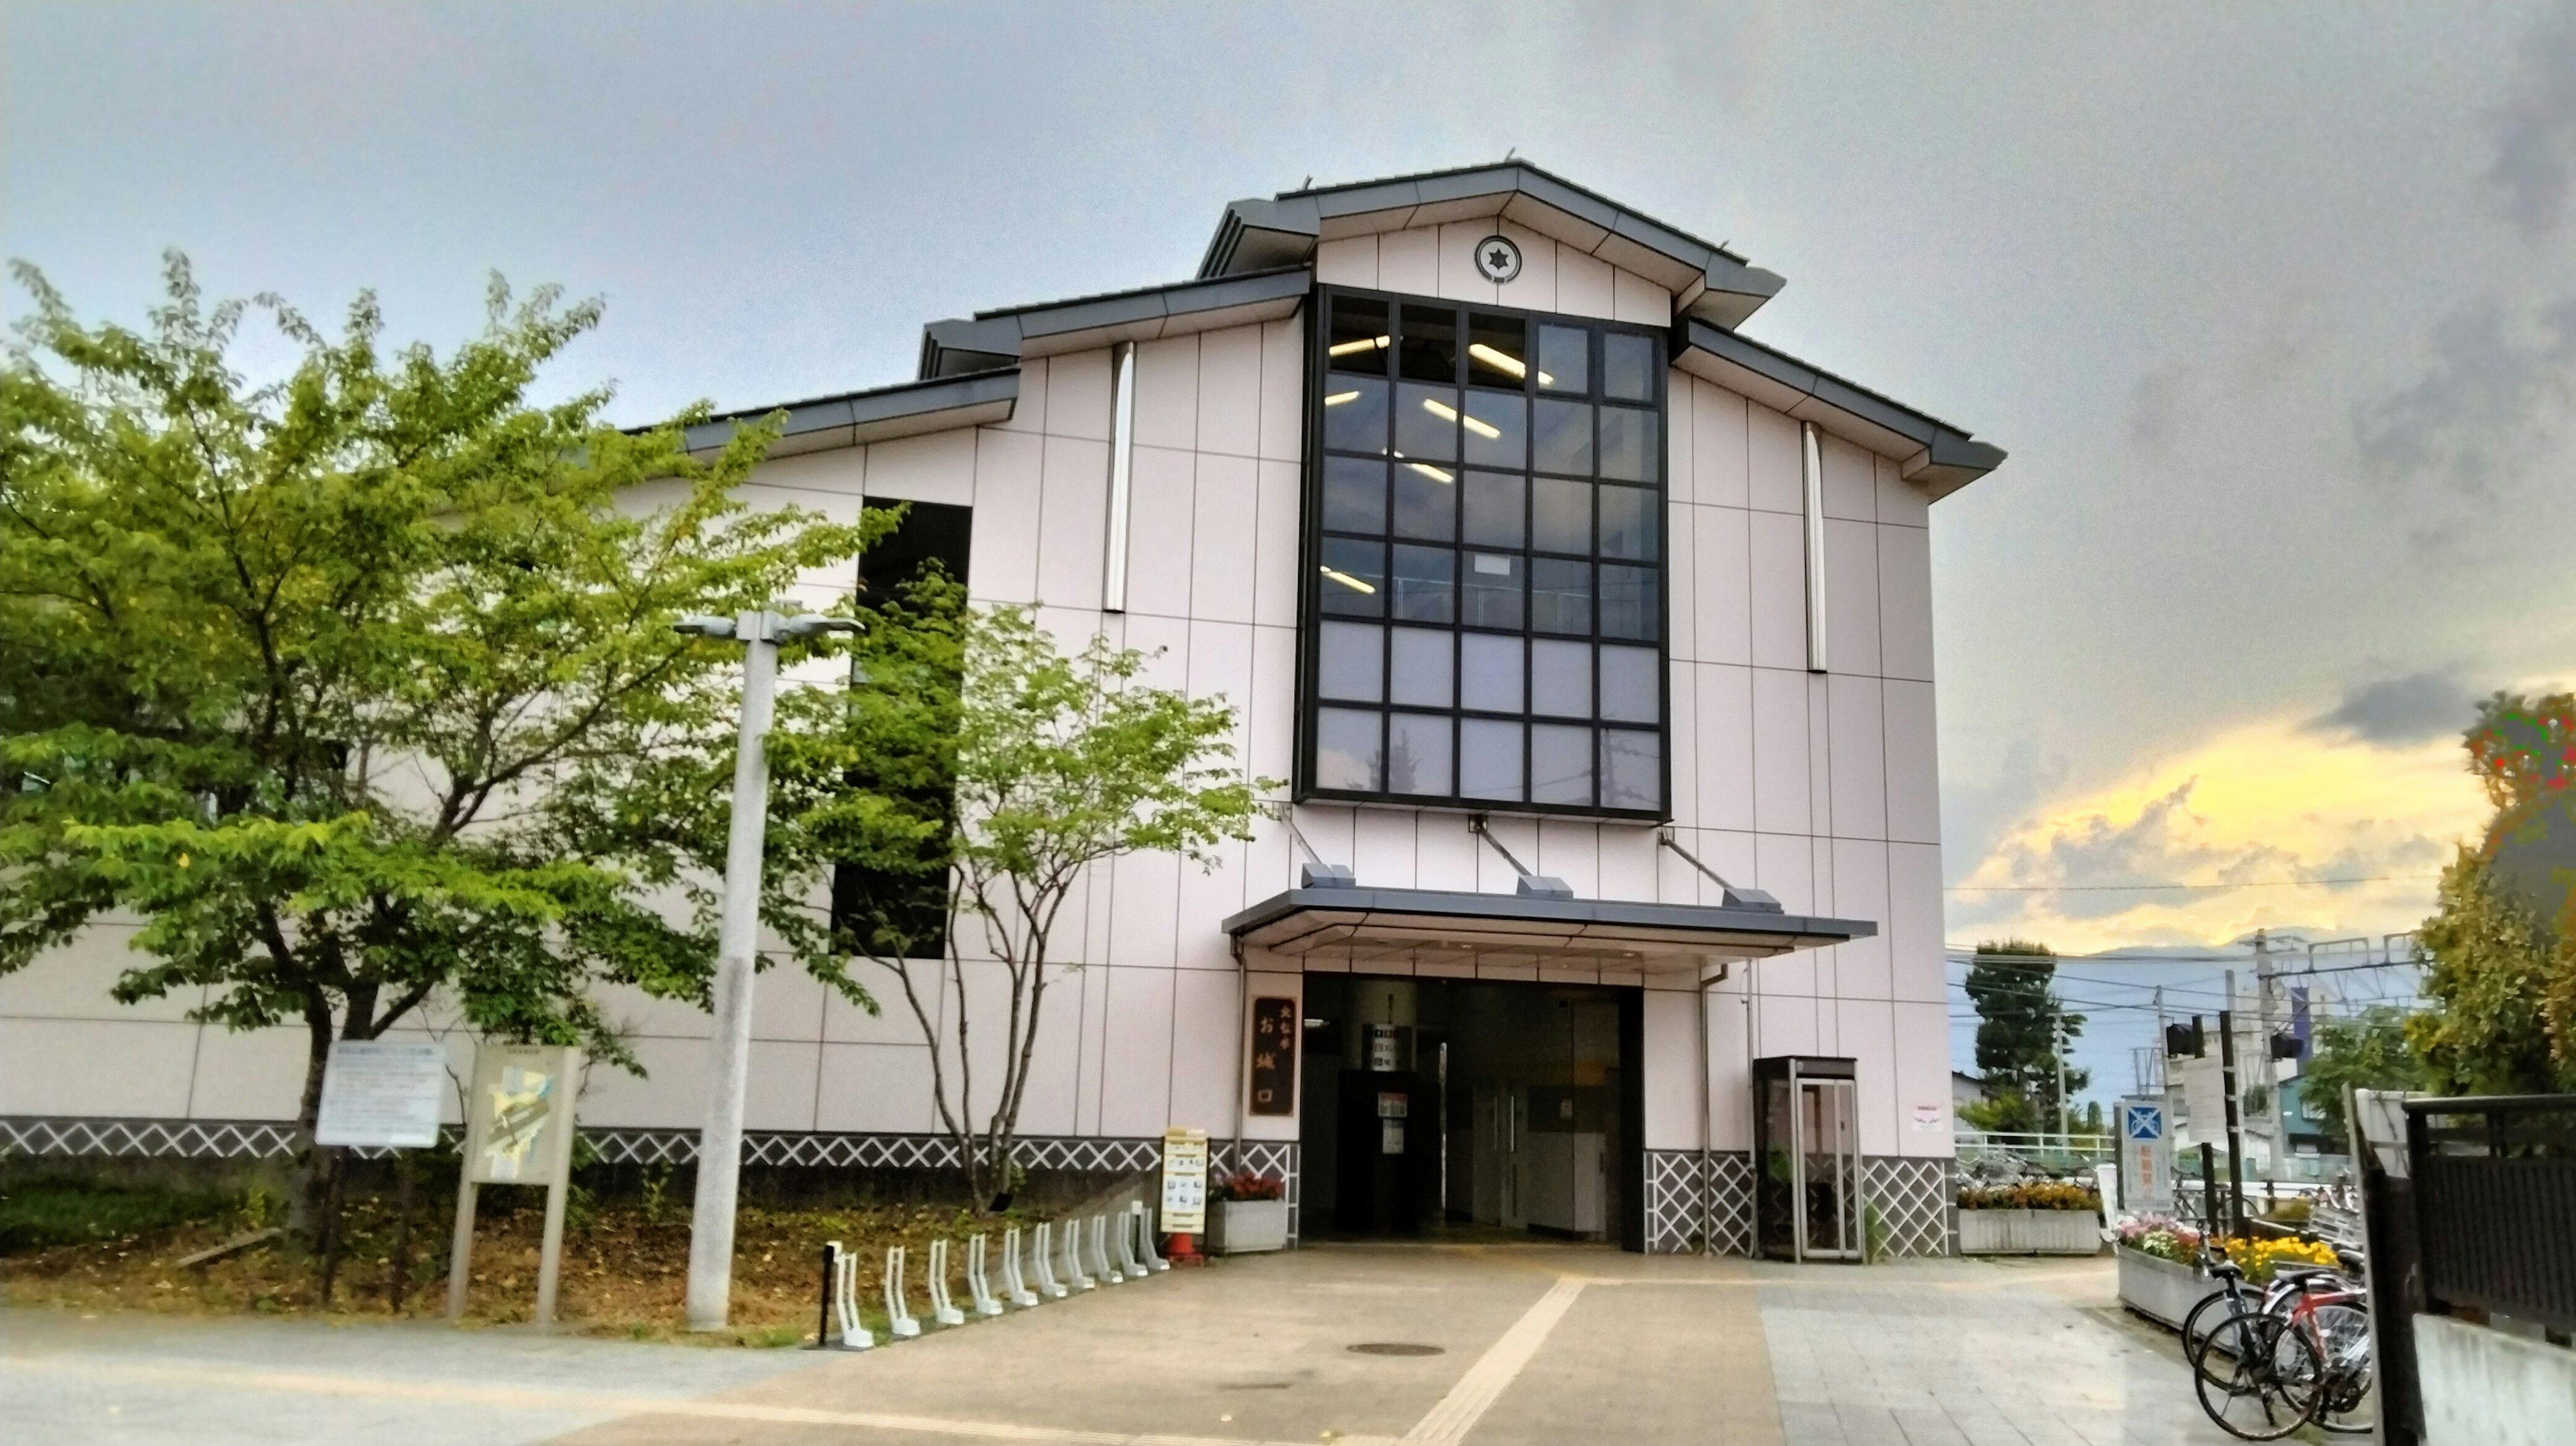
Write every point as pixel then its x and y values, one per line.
pixel 876 415
pixel 1941 457
pixel 1708 281
pixel 1371 925
pixel 1007 335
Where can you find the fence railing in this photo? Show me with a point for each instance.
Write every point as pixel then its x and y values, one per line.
pixel 2494 1184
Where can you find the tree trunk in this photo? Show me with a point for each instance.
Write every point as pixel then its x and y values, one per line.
pixel 313 1172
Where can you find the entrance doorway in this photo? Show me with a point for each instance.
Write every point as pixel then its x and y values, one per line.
pixel 1458 1106
pixel 1806 1148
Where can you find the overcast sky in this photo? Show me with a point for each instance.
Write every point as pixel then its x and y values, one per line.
pixel 2275 309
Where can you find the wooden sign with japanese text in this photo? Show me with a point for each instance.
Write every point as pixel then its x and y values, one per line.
pixel 1274 1056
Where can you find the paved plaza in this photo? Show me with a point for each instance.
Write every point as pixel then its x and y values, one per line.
pixel 1530 1343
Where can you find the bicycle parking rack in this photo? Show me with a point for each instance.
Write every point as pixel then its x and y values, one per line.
pixel 1075 1276
pixel 1100 1264
pixel 942 1309
pixel 841 1303
pixel 1042 1256
pixel 979 1286
pixel 1015 1286
pixel 900 1323
pixel 1143 1221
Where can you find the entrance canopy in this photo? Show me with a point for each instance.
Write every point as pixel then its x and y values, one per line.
pixel 1376 926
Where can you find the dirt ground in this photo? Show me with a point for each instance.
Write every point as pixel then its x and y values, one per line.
pixel 624 1273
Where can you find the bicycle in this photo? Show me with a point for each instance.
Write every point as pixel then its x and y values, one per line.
pixel 2304 1356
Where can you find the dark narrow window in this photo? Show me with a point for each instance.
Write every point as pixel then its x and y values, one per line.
pixel 1485 559
pixel 895 911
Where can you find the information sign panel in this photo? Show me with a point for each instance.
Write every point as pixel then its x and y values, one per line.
pixel 378 1094
pixel 519 1114
pixel 1185 1169
pixel 1274 1056
pixel 2146 1155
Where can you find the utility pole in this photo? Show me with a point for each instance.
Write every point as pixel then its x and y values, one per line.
pixel 737 955
pixel 2065 1126
pixel 2273 1131
pixel 2235 1134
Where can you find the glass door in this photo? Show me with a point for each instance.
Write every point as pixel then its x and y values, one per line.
pixel 1827 1156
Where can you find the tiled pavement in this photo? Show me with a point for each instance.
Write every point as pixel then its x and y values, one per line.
pixel 1537 1344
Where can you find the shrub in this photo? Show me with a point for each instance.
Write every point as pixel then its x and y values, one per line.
pixel 1247 1185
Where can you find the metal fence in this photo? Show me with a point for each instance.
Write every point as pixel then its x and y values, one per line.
pixel 2494 1184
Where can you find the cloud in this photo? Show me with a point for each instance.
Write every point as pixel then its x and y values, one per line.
pixel 2394 712
pixel 2535 131
pixel 2497 382
pixel 2273 824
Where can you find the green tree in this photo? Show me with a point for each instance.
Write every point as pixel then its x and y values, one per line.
pixel 359 689
pixel 2503 940
pixel 1055 766
pixel 2010 983
pixel 2366 1051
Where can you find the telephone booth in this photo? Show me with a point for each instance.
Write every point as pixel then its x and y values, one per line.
pixel 1806 1160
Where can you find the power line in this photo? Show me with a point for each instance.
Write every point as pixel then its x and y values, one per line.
pixel 2145 888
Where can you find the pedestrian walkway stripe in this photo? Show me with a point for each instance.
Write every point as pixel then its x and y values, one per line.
pixel 608 1405
pixel 1476 1391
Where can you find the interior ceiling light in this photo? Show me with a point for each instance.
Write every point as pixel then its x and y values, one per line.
pixel 1348 581
pixel 1364 344
pixel 1337 398
pixel 1500 361
pixel 1448 413
pixel 1434 473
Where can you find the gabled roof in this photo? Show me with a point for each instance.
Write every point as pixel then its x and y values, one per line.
pixel 1709 282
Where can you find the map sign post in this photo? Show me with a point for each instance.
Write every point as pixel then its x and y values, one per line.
pixel 1185 1172
pixel 518 1131
pixel 2146 1155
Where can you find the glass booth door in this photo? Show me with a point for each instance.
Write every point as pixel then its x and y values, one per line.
pixel 1807 1197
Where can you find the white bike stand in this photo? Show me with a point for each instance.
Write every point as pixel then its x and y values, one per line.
pixel 979 1285
pixel 845 1299
pixel 900 1323
pixel 1042 1254
pixel 1015 1286
pixel 1100 1251
pixel 1075 1276
pixel 1126 1261
pixel 942 1309
pixel 1144 1222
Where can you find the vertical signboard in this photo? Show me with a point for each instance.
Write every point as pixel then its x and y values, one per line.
pixel 518 1131
pixel 1274 1056
pixel 1185 1168
pixel 2146 1155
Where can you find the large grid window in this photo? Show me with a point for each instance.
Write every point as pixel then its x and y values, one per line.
pixel 1485 569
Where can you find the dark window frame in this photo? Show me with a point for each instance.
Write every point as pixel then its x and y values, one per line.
pixel 1312 535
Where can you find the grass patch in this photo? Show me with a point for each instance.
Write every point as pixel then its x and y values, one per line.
pixel 42 1214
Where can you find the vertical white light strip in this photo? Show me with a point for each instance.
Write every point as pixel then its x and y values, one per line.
pixel 1813 466
pixel 1122 458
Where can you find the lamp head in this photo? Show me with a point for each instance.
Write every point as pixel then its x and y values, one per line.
pixel 806 625
pixel 704 625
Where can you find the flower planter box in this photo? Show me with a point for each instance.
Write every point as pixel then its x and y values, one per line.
pixel 2159 1289
pixel 2029 1232
pixel 1243 1227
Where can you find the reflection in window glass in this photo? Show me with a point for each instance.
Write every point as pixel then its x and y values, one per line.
pixel 1560 764
pixel 1495 503
pixel 1489 759
pixel 1350 661
pixel 1631 606
pixel 1627 366
pixel 1497 350
pixel 1419 672
pixel 1560 595
pixel 1497 430
pixel 1417 753
pixel 1426 501
pixel 1628 446
pixel 1564 437
pixel 1347 749
pixel 1355 414
pixel 1359 342
pixel 1629 679
pixel 1490 593
pixel 1430 344
pixel 1354 495
pixel 1564 354
pixel 1354 577
pixel 1628 522
pixel 1560 515
pixel 1561 678
pixel 1426 422
pixel 1490 672
pixel 1426 584
pixel 1632 769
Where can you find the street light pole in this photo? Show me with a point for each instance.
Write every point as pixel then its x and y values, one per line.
pixel 737 955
